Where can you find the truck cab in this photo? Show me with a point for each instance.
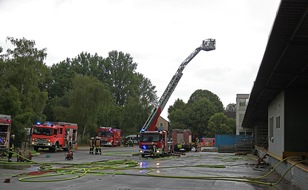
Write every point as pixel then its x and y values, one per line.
pixel 5 130
pixel 54 135
pixel 154 143
pixel 109 136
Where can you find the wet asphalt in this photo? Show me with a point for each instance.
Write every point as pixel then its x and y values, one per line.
pixel 189 170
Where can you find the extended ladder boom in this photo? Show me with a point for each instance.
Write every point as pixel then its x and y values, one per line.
pixel 207 45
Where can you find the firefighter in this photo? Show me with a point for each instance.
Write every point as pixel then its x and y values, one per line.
pixel 69 155
pixel 196 144
pixel 98 149
pixel 129 142
pixel 154 150
pixel 11 148
pixel 92 144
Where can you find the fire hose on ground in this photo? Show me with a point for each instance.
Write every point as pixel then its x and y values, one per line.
pixel 117 167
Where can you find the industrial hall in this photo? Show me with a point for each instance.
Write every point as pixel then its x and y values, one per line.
pixel 277 107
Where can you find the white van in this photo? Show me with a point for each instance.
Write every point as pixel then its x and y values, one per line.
pixel 132 138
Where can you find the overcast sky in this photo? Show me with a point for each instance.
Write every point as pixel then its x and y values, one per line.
pixel 158 34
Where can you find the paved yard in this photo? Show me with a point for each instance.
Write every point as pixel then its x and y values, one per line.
pixel 117 168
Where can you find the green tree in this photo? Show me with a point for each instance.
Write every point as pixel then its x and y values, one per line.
pixel 177 105
pixel 86 64
pixel 194 115
pixel 10 102
pixel 111 115
pixel 147 98
pixel 230 110
pixel 31 91
pixel 23 84
pixel 177 115
pixel 133 117
pixel 132 93
pixel 62 76
pixel 232 125
pixel 86 99
pixel 198 114
pixel 138 104
pixel 121 75
pixel 59 86
pixel 213 98
pixel 219 123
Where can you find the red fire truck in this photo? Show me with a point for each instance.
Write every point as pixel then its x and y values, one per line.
pixel 54 135
pixel 208 142
pixel 109 136
pixel 182 139
pixel 161 146
pixel 5 130
pixel 155 143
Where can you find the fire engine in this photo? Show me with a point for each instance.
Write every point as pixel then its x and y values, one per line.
pixel 54 136
pixel 109 136
pixel 161 145
pixel 155 143
pixel 182 139
pixel 208 142
pixel 5 130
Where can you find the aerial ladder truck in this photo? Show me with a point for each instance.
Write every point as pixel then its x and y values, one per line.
pixel 152 141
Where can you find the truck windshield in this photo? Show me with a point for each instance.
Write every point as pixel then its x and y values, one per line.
pixel 149 137
pixel 42 131
pixel 3 134
pixel 104 134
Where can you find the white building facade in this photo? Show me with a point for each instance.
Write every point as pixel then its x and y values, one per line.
pixel 241 106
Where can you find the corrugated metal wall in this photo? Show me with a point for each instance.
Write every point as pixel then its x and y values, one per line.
pixel 233 143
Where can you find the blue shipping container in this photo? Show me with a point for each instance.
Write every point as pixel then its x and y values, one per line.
pixel 231 139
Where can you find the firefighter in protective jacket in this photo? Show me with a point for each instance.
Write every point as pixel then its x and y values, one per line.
pixel 11 148
pixel 98 149
pixel 92 144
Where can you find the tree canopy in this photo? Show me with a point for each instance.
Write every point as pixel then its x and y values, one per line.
pixel 203 114
pixel 23 84
pixel 92 91
pixel 230 110
pixel 89 90
pixel 219 123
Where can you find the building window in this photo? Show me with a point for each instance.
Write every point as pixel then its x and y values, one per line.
pixel 161 126
pixel 243 102
pixel 278 122
pixel 271 129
